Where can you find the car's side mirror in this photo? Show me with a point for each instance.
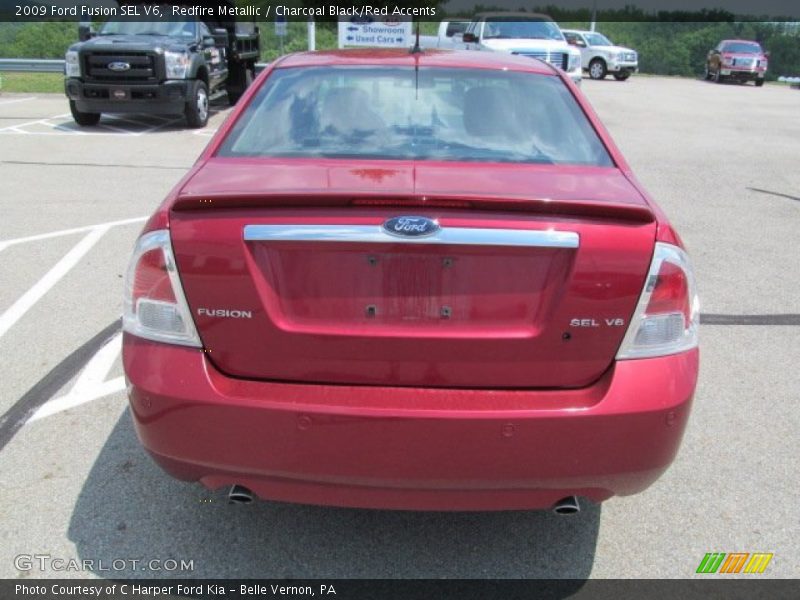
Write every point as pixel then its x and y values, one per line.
pixel 470 38
pixel 766 54
pixel 209 41
pixel 85 32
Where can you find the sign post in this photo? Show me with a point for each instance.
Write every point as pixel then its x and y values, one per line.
pixel 367 32
pixel 281 29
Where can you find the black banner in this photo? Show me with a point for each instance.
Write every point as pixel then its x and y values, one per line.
pixel 383 10
pixel 393 589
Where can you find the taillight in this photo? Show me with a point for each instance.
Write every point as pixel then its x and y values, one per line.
pixel 667 316
pixel 155 307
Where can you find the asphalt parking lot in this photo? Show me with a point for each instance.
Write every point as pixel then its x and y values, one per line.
pixel 722 160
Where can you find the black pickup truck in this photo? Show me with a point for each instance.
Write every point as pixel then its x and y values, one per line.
pixel 159 67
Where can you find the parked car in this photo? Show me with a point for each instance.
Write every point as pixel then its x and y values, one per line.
pixel 448 35
pixel 411 281
pixel 739 60
pixel 524 34
pixel 599 55
pixel 159 67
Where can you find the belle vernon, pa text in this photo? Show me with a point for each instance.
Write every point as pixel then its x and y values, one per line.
pixel 209 589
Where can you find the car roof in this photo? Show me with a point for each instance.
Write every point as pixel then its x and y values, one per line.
pixel 401 57
pixel 745 41
pixel 523 16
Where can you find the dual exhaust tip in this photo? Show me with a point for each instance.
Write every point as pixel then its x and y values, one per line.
pixel 567 506
pixel 238 494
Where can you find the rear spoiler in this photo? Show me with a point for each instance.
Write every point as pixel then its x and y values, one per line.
pixel 324 198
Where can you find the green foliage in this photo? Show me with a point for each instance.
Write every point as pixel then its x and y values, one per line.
pixel 668 44
pixel 37 83
pixel 37 40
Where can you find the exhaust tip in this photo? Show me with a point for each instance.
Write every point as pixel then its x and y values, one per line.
pixel 567 506
pixel 239 494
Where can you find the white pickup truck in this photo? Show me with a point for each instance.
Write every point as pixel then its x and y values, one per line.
pixel 525 34
pixel 448 36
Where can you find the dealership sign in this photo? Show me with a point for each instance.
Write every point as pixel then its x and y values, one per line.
pixel 365 31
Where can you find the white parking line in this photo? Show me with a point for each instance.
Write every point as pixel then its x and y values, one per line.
pixel 91 383
pixel 52 234
pixel 15 100
pixel 36 122
pixel 123 125
pixel 41 287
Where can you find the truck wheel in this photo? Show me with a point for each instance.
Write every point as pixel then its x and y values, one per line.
pixel 597 69
pixel 84 119
pixel 759 82
pixel 235 93
pixel 622 76
pixel 197 106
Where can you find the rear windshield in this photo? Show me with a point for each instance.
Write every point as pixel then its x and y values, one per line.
pixel 403 113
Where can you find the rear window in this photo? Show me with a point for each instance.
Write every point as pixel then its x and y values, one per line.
pixel 424 114
pixel 454 27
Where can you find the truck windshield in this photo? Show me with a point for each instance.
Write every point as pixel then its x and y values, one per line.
pixel 497 29
pixel 432 114
pixel 743 47
pixel 184 29
pixel 597 39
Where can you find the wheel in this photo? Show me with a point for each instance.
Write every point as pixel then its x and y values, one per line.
pixel 235 92
pixel 597 69
pixel 759 82
pixel 622 75
pixel 197 106
pixel 718 75
pixel 84 119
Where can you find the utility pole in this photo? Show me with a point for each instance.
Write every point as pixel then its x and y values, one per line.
pixel 594 15
pixel 312 34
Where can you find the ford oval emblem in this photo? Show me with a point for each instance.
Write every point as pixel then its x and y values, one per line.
pixel 411 226
pixel 118 66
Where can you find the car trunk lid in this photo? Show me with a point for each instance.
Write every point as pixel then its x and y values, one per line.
pixel 530 282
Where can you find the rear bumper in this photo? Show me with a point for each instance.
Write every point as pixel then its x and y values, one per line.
pixel 168 97
pixel 406 448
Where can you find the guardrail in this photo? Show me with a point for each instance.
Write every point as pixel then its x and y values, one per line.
pixel 39 65
pixel 31 65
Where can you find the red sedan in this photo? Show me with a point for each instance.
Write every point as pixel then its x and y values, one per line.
pixel 412 281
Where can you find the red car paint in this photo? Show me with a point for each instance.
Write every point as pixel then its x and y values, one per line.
pixel 514 400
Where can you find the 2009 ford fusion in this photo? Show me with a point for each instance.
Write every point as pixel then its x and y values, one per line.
pixel 412 281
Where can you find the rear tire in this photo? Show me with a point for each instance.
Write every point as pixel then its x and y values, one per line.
pixel 597 69
pixel 84 119
pixel 196 111
pixel 759 82
pixel 622 76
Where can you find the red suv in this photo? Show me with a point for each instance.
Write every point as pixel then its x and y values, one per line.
pixel 739 60
pixel 412 281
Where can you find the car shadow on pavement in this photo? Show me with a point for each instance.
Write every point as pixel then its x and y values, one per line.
pixel 129 509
